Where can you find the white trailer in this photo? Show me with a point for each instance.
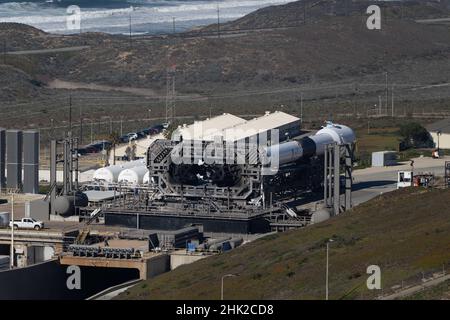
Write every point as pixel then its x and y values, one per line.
pixel 404 179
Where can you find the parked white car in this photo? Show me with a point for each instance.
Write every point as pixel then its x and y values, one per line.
pixel 132 136
pixel 27 223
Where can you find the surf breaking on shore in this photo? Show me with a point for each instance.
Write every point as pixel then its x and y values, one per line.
pixel 146 16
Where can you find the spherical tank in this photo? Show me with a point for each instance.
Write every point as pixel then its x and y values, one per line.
pixel 320 216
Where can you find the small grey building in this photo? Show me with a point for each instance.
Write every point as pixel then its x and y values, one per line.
pixel 440 132
pixel 384 158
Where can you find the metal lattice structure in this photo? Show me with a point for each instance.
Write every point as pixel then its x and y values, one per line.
pixel 218 182
pixel 170 93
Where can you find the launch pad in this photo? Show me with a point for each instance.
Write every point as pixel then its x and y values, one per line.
pixel 243 182
pixel 228 174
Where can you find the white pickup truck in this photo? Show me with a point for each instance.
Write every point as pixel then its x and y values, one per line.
pixel 27 223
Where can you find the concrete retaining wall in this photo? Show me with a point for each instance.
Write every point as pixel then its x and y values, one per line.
pixel 48 281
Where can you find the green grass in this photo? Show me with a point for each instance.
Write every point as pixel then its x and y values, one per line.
pixel 382 139
pixel 396 231
pixel 377 139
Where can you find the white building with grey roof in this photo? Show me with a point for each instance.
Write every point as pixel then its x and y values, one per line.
pixel 440 132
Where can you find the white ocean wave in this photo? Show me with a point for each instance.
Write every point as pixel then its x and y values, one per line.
pixel 53 18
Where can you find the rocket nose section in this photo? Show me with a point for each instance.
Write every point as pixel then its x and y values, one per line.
pixel 347 134
pixel 341 134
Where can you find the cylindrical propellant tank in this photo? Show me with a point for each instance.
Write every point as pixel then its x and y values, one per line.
pixel 111 174
pixel 65 205
pixel 132 176
pixel 292 151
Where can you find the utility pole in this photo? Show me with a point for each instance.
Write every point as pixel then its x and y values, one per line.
pixel 70 115
pixel 380 108
pixel 4 51
pixel 387 93
pixel 218 21
pixel 121 125
pixel 301 108
pixel 170 93
pixel 392 102
pixel 131 40
pixel 91 129
pixel 81 126
pixel 173 26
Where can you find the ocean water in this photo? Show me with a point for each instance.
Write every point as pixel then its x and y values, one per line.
pixel 114 16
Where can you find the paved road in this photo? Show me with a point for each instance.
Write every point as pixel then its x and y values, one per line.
pixel 370 182
pixel 409 291
pixel 112 292
pixel 441 20
pixel 43 51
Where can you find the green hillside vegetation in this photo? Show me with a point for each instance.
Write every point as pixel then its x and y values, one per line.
pixel 404 232
pixel 441 291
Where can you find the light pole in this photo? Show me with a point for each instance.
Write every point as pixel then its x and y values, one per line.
pixel 392 103
pixel 218 20
pixel 301 108
pixel 149 114
pixel 53 128
pixel 326 286
pixel 11 258
pixel 223 277
pixel 110 123
pixel 387 92
pixel 438 135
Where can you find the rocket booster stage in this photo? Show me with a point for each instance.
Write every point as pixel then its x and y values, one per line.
pixel 314 145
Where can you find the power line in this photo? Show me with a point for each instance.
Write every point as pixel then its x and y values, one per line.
pixel 193 99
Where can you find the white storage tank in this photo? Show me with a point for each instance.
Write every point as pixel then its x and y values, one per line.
pixel 133 176
pixel 111 174
pixel 320 216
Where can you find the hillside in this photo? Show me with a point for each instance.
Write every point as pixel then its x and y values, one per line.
pixel 307 11
pixel 335 47
pixel 404 232
pixel 332 60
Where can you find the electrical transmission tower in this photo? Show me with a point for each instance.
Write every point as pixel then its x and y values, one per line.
pixel 170 94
